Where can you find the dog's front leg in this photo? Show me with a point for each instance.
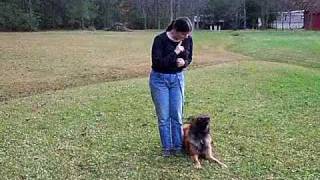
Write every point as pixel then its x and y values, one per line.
pixel 210 157
pixel 195 159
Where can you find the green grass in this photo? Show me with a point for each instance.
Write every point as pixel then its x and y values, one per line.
pixel 33 63
pixel 265 122
pixel 301 48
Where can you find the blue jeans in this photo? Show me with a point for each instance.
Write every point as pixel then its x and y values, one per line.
pixel 167 91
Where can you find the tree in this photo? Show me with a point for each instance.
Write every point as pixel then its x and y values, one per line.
pixel 81 12
pixel 18 15
pixel 27 15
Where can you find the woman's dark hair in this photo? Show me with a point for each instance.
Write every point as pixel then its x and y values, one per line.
pixel 182 24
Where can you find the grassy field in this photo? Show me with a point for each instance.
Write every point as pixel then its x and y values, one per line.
pixel 32 63
pixel 300 48
pixel 265 106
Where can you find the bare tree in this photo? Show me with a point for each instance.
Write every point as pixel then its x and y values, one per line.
pixel 244 15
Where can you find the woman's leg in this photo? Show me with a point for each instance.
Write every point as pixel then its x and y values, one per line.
pixel 176 110
pixel 160 96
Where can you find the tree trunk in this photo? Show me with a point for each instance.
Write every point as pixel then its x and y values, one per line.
pixel 171 10
pixel 158 15
pixel 144 14
pixel 290 20
pixel 53 15
pixel 244 15
pixel 105 13
pixel 178 8
pixel 311 23
pixel 30 14
pixel 198 14
pixel 282 22
pixel 82 23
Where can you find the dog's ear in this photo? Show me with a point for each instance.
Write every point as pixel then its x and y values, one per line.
pixel 204 117
pixel 192 119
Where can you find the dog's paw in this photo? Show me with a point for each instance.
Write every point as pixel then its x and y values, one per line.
pixel 212 159
pixel 223 165
pixel 197 166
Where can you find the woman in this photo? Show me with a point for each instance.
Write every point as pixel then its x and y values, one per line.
pixel 171 54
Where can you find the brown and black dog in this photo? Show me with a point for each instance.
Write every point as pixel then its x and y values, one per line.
pixel 197 140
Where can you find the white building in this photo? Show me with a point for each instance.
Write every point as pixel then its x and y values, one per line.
pixel 289 20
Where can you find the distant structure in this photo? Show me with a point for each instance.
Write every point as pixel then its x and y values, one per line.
pixel 312 20
pixel 208 22
pixel 289 20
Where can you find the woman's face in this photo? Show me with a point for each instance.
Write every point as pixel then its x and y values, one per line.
pixel 180 35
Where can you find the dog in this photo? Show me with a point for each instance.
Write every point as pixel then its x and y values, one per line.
pixel 197 140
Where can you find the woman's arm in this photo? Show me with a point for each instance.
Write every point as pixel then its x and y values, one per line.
pixel 158 58
pixel 189 51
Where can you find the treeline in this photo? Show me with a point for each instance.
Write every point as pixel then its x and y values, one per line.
pixel 33 15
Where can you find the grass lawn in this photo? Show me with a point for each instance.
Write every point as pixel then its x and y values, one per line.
pixel 301 47
pixel 32 63
pixel 265 115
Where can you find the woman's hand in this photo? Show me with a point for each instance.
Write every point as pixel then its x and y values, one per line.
pixel 180 62
pixel 179 48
